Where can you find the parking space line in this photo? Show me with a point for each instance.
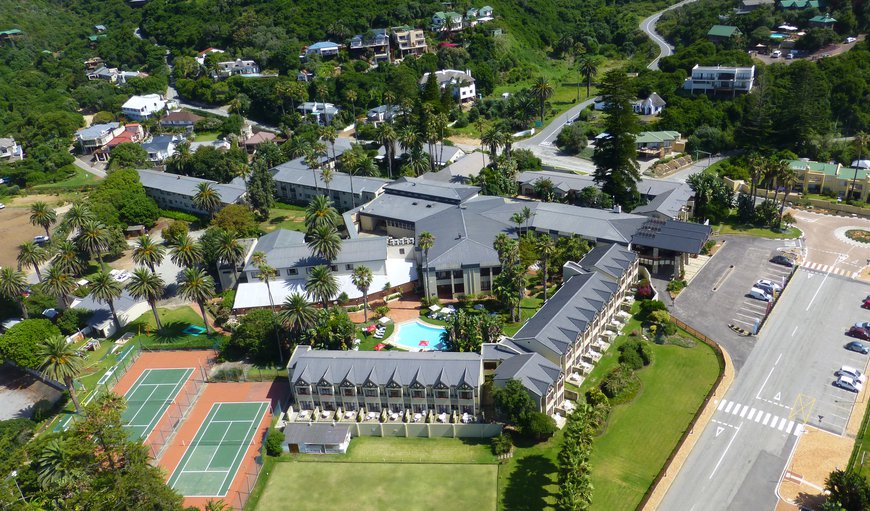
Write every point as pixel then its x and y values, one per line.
pixel 755 305
pixel 746 315
pixel 744 322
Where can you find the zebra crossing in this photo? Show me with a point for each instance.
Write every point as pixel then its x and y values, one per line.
pixel 745 412
pixel 826 268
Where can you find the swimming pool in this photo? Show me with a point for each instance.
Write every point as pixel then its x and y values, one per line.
pixel 417 336
pixel 778 36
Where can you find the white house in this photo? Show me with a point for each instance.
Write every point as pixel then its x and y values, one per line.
pixel 161 147
pixel 720 79
pixel 200 57
pixel 10 150
pixel 237 67
pixel 652 105
pixel 461 81
pixel 127 308
pixel 143 107
pixel 321 113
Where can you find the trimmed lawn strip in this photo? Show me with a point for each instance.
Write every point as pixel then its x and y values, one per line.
pixel 174 322
pixel 760 232
pixel 368 341
pixel 285 217
pixel 79 178
pixel 409 450
pixel 380 487
pixel 528 307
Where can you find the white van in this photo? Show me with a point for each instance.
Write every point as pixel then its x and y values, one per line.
pixel 759 294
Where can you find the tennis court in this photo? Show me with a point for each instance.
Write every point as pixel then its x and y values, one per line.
pixel 213 457
pixel 149 397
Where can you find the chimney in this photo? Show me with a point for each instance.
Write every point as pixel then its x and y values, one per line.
pixel 468 71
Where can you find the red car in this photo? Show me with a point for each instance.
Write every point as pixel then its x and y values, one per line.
pixel 866 304
pixel 860 330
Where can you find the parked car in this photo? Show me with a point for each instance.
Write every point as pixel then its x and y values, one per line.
pixel 846 383
pixel 866 303
pixel 768 286
pixel 860 330
pixel 850 40
pixel 853 373
pixel 40 239
pixel 760 294
pixel 2 206
pixel 783 260
pixel 775 54
pixel 858 347
pixel 789 56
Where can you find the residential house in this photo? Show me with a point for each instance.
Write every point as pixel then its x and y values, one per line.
pixel 325 49
pixel 485 14
pixel 720 79
pixel 99 28
pixel 823 21
pixel 180 119
pixel 798 4
pixel 237 67
pixel 373 45
pixel 220 144
pixel 93 63
pixel 392 381
pixel 461 81
pixel 651 105
pixel 101 320
pixel 132 134
pixel 320 113
pixel 723 33
pixel 471 16
pixel 747 6
pixel 409 41
pixel 658 144
pixel 111 75
pixel 139 108
pixel 304 76
pixel 161 147
pixel 258 138
pixel 200 57
pixel 11 35
pixel 831 178
pixel 93 39
pixel 316 438
pixel 383 113
pixel 10 150
pixel 449 21
pixel 296 183
pixel 172 191
pixel 96 137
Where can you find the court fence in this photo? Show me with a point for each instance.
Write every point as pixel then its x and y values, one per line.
pixel 161 436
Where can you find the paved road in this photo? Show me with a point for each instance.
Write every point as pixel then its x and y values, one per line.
pixel 786 381
pixel 649 27
pixel 85 166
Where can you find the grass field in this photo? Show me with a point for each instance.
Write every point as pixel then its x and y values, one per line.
pixel 285 216
pixel 412 450
pixel 380 487
pixel 673 388
pixel 174 322
pixel 81 177
pixel 760 232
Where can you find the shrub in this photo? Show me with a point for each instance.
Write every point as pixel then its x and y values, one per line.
pixel 618 382
pixel 708 246
pixel 343 299
pixel 20 344
pixel 382 311
pixel 630 358
pixel 572 139
pixel 42 410
pixel 175 230
pixel 638 347
pixel 274 442
pixel 538 425
pixel 429 301
pixel 676 285
pixel 72 320
pixel 502 444
pixel 644 291
pixel 647 307
pixel 179 215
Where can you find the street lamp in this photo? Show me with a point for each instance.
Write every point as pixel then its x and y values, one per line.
pixel 13 475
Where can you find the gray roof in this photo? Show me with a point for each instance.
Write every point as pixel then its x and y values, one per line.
pixel 160 143
pixel 459 171
pixel 685 237
pixel 443 76
pixel 315 433
pixel 566 315
pixel 383 368
pixel 442 192
pixel 562 181
pixel 186 185
pixel 536 373
pixel 101 311
pixel 296 172
pixel 96 130
pixel 443 152
pixel 501 350
pixel 405 209
pixel 611 259
pixel 287 249
pixel 656 100
pixel 669 203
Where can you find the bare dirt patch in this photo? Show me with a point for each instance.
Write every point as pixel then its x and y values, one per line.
pixel 15 226
pixel 818 453
pixel 19 392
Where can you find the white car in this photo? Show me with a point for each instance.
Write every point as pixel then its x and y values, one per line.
pixel 768 286
pixel 850 40
pixel 2 206
pixel 851 372
pixel 760 294
pixel 775 54
pixel 846 383
pixel 40 239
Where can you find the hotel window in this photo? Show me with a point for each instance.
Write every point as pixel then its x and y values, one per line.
pixel 292 271
pixel 371 392
pixel 465 394
pixel 303 391
pixel 393 393
pixel 325 391
pixel 418 394
pixel 348 267
pixel 333 268
pixel 442 394
pixel 402 251
pixel 348 391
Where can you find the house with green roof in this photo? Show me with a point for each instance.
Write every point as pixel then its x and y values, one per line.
pixel 798 4
pixel 722 33
pixel 819 177
pixel 10 34
pixel 449 21
pixel 822 21
pixel 658 144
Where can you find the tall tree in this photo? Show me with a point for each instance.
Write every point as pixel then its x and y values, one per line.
pixel 787 180
pixel 588 66
pixel 321 285
pixel 148 252
pixel 386 135
pixel 320 211
pixel 616 169
pixel 59 284
pixel 148 286
pixel 546 246
pixel 325 242
pixel 362 278
pixel 426 241
pixel 104 288
pixel 68 257
pixel 42 215
pixel 297 313
pixel 329 133
pixel 94 239
pixel 186 252
pixel 326 174
pixel 61 364
pixel 77 215
pixel 31 254
pixel 542 90
pixel 261 190
pixel 197 286
pixel 575 487
pixel 13 285
pixel 207 198
pixel 230 251
pixel 266 274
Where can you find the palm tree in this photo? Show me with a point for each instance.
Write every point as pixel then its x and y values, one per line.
pixel 195 285
pixel 217 505
pixel 104 288
pixel 61 364
pixel 321 284
pixel 207 198
pixel 186 252
pixel 266 274
pixel 230 251
pixel 326 174
pixel 325 242
pixel 386 135
pixel 417 162
pixel 77 216
pixel 546 248
pixel 94 239
pixel 351 96
pixel 789 178
pixel 329 133
pixel 320 212
pixel 31 254
pixel 296 147
pixel 756 173
pixel 542 90
pixel 148 252
pixel 55 466
pixel 426 241
pixel 67 257
pixel 59 284
pixel 297 313
pixel 148 286
pixel 776 169
pixel 409 139
pixel 13 285
pixel 861 140
pixel 492 139
pixel 362 278
pixel 42 215
pixel 588 66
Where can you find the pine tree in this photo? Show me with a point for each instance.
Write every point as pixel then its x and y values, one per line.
pixel 615 157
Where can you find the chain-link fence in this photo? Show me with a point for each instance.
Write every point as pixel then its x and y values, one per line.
pixel 175 414
pixel 248 475
pixel 243 373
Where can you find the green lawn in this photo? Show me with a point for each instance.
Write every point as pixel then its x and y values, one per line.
pixel 367 341
pixel 206 136
pixel 528 307
pixel 174 322
pixel 411 450
pixel 379 487
pixel 673 388
pixel 749 230
pixel 825 198
pixel 285 216
pixel 862 446
pixel 79 178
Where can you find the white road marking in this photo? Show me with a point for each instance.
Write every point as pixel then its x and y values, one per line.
pixel 817 292
pixel 758 395
pixel 719 430
pixel 778 396
pixel 751 413
pixel 721 405
pixel 788 428
pixel 736 410
pixel 743 413
pixel 794 331
pixel 782 423
pixel 758 417
pixel 728 408
pixel 778 359
pixel 766 418
pixel 725 452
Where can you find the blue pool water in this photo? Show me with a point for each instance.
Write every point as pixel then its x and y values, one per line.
pixel 410 334
pixel 778 36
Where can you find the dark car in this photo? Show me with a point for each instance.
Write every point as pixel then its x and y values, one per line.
pixel 866 304
pixel 783 260
pixel 858 347
pixel 860 330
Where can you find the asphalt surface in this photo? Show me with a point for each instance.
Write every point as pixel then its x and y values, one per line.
pixel 784 379
pixel 649 27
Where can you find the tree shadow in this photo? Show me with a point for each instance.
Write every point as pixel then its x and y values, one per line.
pixel 526 486
pixel 809 501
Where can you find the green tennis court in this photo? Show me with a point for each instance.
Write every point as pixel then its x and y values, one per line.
pixel 149 397
pixel 211 461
